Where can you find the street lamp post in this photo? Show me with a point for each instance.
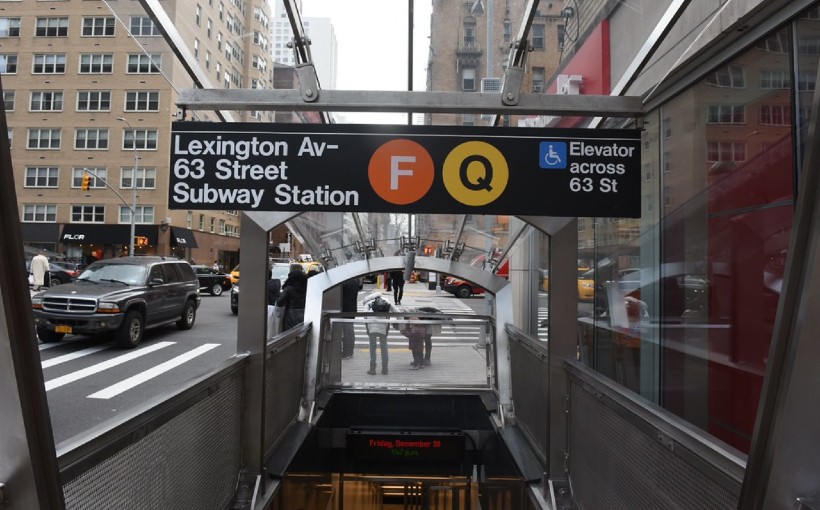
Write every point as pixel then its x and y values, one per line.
pixel 133 185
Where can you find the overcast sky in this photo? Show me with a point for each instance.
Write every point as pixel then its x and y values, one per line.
pixel 372 45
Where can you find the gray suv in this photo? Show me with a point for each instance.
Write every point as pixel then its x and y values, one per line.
pixel 121 296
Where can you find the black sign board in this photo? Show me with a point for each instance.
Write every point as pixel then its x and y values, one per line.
pixel 405 446
pixel 422 169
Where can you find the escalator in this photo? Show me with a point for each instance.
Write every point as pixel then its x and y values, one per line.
pixel 417 452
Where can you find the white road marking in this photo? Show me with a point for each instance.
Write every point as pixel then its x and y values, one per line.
pixel 43 347
pixel 127 384
pixel 105 365
pixel 74 355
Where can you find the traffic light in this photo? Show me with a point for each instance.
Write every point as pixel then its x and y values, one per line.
pixel 86 182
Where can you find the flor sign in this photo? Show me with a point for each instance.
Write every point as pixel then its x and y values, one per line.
pixel 422 169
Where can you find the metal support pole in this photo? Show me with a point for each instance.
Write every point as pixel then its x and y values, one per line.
pixel 133 186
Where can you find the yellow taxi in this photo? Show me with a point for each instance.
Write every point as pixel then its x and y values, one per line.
pixel 312 265
pixel 235 274
pixel 586 284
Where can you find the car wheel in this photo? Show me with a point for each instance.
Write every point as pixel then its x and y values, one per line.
pixel 129 334
pixel 47 336
pixel 464 292
pixel 216 290
pixel 188 316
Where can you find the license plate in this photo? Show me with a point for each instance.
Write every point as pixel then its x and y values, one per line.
pixel 62 329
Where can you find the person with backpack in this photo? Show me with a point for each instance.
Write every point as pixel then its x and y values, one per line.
pixel 377 329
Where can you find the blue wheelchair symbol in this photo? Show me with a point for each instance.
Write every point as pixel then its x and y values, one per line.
pixel 553 155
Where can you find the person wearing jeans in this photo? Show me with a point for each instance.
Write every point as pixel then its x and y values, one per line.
pixel 377 331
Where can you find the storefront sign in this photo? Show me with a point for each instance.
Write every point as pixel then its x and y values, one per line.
pixel 424 169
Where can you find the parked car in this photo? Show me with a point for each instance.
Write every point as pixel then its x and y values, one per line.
pixel 212 280
pixel 121 296
pixel 72 268
pixel 464 289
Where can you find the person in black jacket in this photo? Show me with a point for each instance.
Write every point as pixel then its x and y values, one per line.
pixel 350 295
pixel 397 282
pixel 292 299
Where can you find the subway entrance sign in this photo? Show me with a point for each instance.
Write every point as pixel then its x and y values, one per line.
pixel 409 169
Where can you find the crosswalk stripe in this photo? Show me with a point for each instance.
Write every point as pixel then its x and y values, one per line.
pixel 105 365
pixel 127 384
pixel 71 356
pixel 43 347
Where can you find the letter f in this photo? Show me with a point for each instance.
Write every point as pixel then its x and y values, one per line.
pixel 395 171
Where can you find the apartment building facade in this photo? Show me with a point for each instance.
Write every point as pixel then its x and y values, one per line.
pixel 89 89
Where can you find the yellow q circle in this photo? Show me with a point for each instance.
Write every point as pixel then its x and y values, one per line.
pixel 475 173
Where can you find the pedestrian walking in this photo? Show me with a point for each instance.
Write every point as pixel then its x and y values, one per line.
pixel 397 282
pixel 350 296
pixel 39 268
pixel 377 329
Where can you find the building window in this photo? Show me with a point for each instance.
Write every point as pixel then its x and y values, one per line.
pixel 468 78
pixel 87 214
pixel 42 177
pixel 189 220
pixel 198 15
pixel 213 224
pixel 93 101
pixel 143 139
pixel 9 27
pixel 775 115
pixel 725 151
pixel 726 114
pixel 219 41
pixel 144 64
pixel 142 101
pixel 201 222
pixel 146 177
pixel 51 27
pixel 806 80
pixel 143 214
pixel 143 26
pixel 8 100
pixel 91 139
pixel 469 33
pixel 774 79
pixel 209 26
pixel 48 63
pixel 40 213
pixel 538 36
pixel 98 26
pixel 259 63
pixel 507 31
pixel 207 59
pixel 222 227
pixel 196 48
pixel 96 63
pixel 538 79
pixel 730 75
pixel 98 177
pixel 8 64
pixel 43 138
pixel 46 101
pixel 561 32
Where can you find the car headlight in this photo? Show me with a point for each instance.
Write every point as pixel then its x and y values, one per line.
pixel 587 285
pixel 37 301
pixel 108 307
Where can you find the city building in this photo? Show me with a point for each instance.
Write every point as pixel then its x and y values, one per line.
pixel 323 44
pixel 89 90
